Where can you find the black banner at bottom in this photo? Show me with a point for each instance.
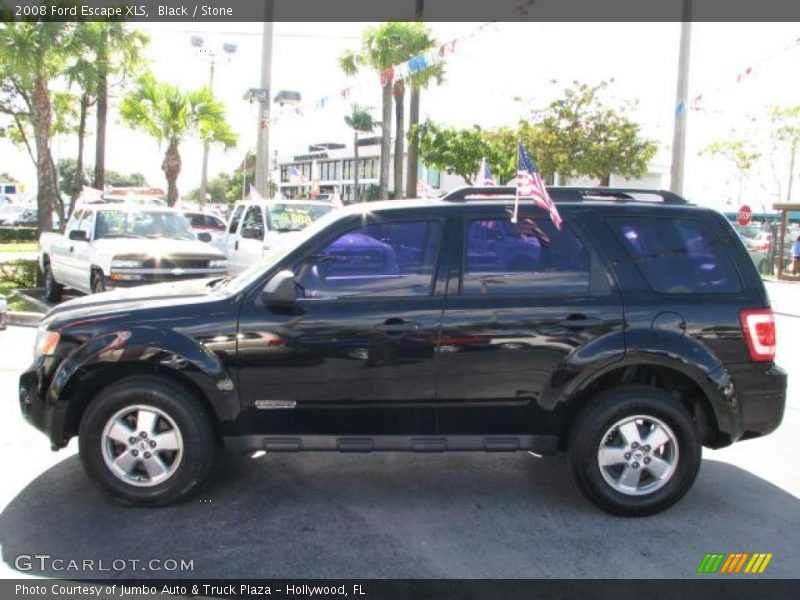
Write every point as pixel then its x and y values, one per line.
pixel 412 589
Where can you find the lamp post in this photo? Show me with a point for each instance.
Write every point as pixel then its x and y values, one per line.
pixel 213 57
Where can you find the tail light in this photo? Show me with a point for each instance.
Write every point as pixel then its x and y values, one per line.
pixel 758 326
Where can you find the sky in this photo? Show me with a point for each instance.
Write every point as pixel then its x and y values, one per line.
pixel 493 78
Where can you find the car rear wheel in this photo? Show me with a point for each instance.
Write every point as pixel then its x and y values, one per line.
pixel 634 450
pixel 146 441
pixel 52 289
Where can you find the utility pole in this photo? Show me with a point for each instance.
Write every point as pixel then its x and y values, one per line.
pixel 682 101
pixel 206 144
pixel 262 145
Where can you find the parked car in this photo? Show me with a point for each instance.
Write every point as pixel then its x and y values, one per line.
pixel 17 215
pixel 109 246
pixel 758 249
pixel 214 226
pixel 257 228
pixel 3 312
pixel 633 335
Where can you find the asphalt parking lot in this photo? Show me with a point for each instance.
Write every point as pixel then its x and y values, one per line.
pixel 400 515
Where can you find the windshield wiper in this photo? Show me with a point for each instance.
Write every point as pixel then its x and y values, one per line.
pixel 219 282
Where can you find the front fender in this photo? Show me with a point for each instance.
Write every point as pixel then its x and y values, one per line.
pixel 146 349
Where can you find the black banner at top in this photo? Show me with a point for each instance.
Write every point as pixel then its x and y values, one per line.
pixel 402 10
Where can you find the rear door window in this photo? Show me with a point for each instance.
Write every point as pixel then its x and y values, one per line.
pixel 677 255
pixel 528 257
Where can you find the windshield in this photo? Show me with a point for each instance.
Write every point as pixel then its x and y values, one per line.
pixel 142 224
pixel 294 216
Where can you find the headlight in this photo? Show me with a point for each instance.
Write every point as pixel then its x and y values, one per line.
pixel 46 342
pixel 218 264
pixel 125 264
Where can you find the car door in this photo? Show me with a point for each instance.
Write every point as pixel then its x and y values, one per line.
pixel 251 238
pixel 355 353
pixel 60 250
pixel 525 305
pixel 82 254
pixel 231 242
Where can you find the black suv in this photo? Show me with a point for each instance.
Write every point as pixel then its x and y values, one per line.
pixel 629 337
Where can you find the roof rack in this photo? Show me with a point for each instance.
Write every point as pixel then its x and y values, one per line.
pixel 569 194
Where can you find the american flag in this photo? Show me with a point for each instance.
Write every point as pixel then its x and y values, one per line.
pixel 530 185
pixel 484 177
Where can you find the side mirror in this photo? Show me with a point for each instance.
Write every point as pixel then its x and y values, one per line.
pixel 78 235
pixel 281 289
pixel 204 236
pixel 253 233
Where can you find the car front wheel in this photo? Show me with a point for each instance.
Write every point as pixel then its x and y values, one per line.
pixel 634 450
pixel 146 441
pixel 52 290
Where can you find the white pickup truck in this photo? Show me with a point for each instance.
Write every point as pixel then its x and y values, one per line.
pixel 256 228
pixel 106 246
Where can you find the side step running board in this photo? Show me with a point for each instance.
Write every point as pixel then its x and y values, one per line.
pixel 540 444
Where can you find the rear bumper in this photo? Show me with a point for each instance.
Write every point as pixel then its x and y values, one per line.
pixel 760 398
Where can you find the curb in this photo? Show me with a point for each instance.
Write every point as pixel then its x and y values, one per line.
pixel 23 293
pixel 23 318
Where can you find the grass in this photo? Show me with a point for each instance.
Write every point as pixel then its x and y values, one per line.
pixel 16 303
pixel 19 247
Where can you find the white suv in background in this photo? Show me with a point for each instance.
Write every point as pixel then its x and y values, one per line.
pixel 258 227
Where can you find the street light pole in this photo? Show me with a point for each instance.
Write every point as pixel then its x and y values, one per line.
pixel 681 102
pixel 262 145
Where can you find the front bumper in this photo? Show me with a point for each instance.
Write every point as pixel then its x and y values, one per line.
pixel 45 415
pixel 135 277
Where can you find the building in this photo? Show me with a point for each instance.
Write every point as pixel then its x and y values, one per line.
pixel 335 164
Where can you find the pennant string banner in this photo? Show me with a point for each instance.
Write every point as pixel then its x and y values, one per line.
pixel 414 65
pixel 696 103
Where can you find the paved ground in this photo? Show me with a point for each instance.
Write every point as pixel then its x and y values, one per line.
pixel 400 515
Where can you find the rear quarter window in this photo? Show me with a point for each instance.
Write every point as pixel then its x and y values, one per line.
pixel 677 255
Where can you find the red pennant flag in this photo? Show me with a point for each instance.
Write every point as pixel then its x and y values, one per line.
pixel 387 76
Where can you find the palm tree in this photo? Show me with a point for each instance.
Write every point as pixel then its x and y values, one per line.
pixel 420 80
pixel 360 121
pixel 170 116
pixel 31 55
pixel 117 51
pixel 381 49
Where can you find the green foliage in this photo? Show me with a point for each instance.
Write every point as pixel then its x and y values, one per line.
pixel 18 234
pixel 169 115
pixel 66 172
pixel 360 119
pixel 18 273
pixel 453 150
pixel 736 152
pixel 227 187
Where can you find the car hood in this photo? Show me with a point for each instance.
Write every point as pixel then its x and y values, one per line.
pixel 178 293
pixel 151 247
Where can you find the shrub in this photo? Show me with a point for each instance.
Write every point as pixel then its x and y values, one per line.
pixel 18 234
pixel 19 273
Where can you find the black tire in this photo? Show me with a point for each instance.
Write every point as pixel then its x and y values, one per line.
pixel 98 283
pixel 182 407
pixel 602 413
pixel 52 289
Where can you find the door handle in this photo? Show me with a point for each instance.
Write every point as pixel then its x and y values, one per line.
pixel 72 248
pixel 236 245
pixel 397 326
pixel 578 321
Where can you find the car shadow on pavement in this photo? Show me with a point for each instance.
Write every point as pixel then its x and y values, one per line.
pixel 394 515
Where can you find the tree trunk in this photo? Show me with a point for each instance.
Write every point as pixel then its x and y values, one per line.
pixel 791 172
pixel 41 115
pixel 172 168
pixel 413 145
pixel 605 181
pixel 77 181
pixel 355 167
pixel 399 136
pixel 386 141
pixel 102 117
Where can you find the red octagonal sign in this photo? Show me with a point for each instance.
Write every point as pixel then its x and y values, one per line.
pixel 744 215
